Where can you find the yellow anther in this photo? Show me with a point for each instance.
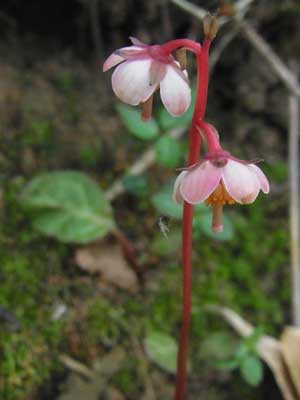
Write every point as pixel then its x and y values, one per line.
pixel 220 196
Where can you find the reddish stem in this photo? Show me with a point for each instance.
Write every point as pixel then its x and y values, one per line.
pixel 172 45
pixel 211 136
pixel 195 141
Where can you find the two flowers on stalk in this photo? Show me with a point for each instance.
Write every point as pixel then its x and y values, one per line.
pixel 219 178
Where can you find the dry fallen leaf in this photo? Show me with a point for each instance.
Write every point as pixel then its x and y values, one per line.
pixel 107 260
pixel 290 345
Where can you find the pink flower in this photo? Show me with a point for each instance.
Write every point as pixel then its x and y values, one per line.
pixel 142 70
pixel 220 179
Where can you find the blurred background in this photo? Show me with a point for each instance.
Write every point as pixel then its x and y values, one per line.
pixel 90 267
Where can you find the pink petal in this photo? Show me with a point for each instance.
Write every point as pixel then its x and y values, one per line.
pixel 158 71
pixel 264 183
pixel 200 182
pixel 175 92
pixel 131 81
pixel 241 182
pixel 177 198
pixel 111 61
pixel 131 52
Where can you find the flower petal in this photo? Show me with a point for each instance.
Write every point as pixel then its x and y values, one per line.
pixel 177 198
pixel 131 81
pixel 264 183
pixel 130 52
pixel 241 182
pixel 158 71
pixel 200 182
pixel 111 61
pixel 175 91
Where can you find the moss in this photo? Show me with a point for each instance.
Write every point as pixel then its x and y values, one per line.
pixel 27 331
pixel 127 380
pixel 104 323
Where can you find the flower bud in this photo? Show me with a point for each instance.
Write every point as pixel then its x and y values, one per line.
pixel 180 56
pixel 210 26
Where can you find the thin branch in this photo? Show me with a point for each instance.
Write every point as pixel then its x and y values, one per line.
pixel 294 205
pixel 257 41
pixel 141 165
pixel 265 50
pixel 76 366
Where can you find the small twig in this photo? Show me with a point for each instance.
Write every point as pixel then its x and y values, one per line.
pixel 257 41
pixel 278 66
pixel 294 205
pixel 141 165
pixel 76 366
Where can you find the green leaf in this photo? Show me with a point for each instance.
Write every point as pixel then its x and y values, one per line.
pixel 162 349
pixel 218 347
pixel 168 151
pixel 135 184
pixel 251 369
pixel 164 203
pixel 69 206
pixel 167 122
pixel 227 365
pixel 145 130
pixel 202 224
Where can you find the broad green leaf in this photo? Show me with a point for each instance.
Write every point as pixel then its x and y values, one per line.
pixel 252 370
pixel 168 151
pixel 135 184
pixel 69 206
pixel 145 130
pixel 219 346
pixel 227 365
pixel 164 203
pixel 167 122
pixel 202 224
pixel 162 349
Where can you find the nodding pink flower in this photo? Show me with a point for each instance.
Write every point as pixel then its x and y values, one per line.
pixel 142 70
pixel 218 180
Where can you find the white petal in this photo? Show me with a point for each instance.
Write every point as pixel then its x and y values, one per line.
pixel 198 183
pixel 175 91
pixel 131 81
pixel 111 61
pixel 241 182
pixel 264 183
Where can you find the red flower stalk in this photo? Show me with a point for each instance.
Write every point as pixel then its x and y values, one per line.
pixel 220 179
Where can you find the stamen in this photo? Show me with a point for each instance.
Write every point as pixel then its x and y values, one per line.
pixel 147 109
pixel 219 196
